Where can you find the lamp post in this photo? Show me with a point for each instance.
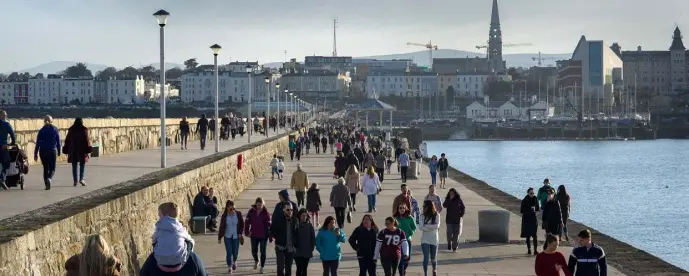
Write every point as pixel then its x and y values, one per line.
pixel 249 122
pixel 267 80
pixel 162 16
pixel 277 93
pixel 291 109
pixel 288 106
pixel 216 49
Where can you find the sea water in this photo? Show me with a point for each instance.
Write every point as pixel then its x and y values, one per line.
pixel 634 191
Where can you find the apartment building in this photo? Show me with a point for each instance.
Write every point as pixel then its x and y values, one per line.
pixel 316 84
pixel 233 86
pixel 125 90
pixel 44 90
pixel 77 90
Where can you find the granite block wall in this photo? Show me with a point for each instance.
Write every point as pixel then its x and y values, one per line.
pixel 113 135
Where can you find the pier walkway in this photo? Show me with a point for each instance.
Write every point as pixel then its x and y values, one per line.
pixel 472 259
pixel 102 172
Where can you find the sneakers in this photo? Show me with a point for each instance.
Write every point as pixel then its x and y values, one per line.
pixel 229 271
pixel 260 271
pixel 255 265
pixel 4 186
pixel 82 182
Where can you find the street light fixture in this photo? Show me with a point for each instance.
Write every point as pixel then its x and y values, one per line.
pixel 267 117
pixel 216 50
pixel 277 116
pixel 249 70
pixel 162 16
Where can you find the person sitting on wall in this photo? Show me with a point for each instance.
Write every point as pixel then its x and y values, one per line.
pixel 204 206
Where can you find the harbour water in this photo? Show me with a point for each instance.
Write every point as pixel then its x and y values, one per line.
pixel 634 191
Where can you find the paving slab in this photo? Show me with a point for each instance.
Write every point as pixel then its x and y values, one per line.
pixel 102 172
pixel 473 258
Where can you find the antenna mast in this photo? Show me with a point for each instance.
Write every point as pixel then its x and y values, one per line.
pixel 335 37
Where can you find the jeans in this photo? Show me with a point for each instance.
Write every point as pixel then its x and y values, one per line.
pixel 82 168
pixel 291 154
pixel 390 265
pixel 302 265
pixel 202 139
pixel 432 250
pixel 405 263
pixel 434 177
pixel 340 216
pixel 381 173
pixel 453 233
pixel 255 242
pixel 367 265
pixel 284 262
pixel 5 160
pixel 231 251
pixel 300 198
pixel 371 202
pixel 403 172
pixel 48 160
pixel 330 267
pixel 184 137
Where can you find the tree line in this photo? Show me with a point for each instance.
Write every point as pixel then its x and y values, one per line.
pixel 81 70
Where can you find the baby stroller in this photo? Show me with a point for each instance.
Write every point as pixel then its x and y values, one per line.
pixel 18 167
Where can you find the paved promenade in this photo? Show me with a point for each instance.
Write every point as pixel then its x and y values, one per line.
pixel 473 258
pixel 102 172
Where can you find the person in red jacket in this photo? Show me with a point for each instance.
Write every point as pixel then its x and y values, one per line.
pixel 256 228
pixel 550 262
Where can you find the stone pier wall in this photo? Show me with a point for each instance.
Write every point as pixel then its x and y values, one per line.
pixel 113 135
pixel 38 243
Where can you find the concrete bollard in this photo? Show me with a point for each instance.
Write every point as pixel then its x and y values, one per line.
pixel 413 170
pixel 494 226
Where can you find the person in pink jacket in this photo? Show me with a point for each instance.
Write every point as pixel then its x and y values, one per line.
pixel 256 228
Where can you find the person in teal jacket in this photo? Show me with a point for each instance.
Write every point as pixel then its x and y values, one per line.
pixel 328 245
pixel 292 148
pixel 407 224
pixel 542 194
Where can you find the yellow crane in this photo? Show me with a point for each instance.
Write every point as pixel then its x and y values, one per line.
pixel 430 48
pixel 503 45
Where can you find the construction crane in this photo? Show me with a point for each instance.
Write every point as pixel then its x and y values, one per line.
pixel 430 48
pixel 503 45
pixel 541 59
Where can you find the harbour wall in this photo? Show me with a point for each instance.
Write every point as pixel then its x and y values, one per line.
pixel 626 258
pixel 112 135
pixel 39 242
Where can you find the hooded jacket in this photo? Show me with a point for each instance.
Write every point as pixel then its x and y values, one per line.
pixel 454 210
pixel 169 242
pixel 257 223
pixel 313 200
pixel 305 240
pixel 328 244
pixel 278 207
pixel 363 241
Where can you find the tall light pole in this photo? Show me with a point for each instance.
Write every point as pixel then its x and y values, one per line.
pixel 216 49
pixel 249 70
pixel 162 16
pixel 288 106
pixel 277 93
pixel 267 80
pixel 291 109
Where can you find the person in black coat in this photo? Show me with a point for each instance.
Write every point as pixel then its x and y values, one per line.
pixel 353 160
pixel 305 242
pixel 203 206
pixel 529 211
pixel 363 241
pixel 283 230
pixel 341 165
pixel 552 215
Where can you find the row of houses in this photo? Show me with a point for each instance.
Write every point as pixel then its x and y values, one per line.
pixel 55 89
pixel 507 109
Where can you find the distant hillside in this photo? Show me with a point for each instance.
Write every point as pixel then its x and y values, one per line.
pixel 57 66
pixel 422 58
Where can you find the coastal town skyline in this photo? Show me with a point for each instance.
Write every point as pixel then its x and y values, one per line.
pixel 256 32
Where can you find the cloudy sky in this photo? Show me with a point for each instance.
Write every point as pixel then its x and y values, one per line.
pixel 123 32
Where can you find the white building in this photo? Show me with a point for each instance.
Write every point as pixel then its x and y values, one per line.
pixel 507 110
pixel 45 90
pixel 126 91
pixel 601 70
pixel 240 66
pixel 388 83
pixel 77 89
pixel 152 92
pixel 316 84
pixel 7 92
pixel 233 86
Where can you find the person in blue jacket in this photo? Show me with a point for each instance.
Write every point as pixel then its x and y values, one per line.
pixel 328 245
pixel 48 149
pixel 283 196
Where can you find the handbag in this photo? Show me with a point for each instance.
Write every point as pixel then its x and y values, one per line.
pixel 241 240
pixel 349 216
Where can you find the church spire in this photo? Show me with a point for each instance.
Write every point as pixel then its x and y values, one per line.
pixel 495 41
pixel 677 43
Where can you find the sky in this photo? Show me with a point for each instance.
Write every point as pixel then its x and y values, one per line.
pixel 124 32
